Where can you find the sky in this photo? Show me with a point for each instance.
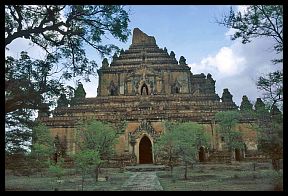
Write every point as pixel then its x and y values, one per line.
pixel 191 31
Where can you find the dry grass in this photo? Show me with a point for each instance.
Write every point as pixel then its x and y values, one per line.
pixel 222 178
pixel 237 177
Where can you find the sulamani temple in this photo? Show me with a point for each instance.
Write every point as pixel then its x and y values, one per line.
pixel 145 86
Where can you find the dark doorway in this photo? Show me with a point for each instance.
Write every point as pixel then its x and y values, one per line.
pixel 201 154
pixel 144 89
pixel 177 90
pixel 145 151
pixel 237 155
pixel 112 92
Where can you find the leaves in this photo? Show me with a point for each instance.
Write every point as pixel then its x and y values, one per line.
pixel 95 135
pixel 272 85
pixel 257 21
pixel 87 159
pixel 182 140
pixel 227 122
pixel 63 31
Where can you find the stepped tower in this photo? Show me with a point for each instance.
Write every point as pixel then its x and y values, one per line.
pixel 144 86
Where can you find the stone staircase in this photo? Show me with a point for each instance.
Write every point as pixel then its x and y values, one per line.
pixel 219 157
pixel 255 156
pixel 146 167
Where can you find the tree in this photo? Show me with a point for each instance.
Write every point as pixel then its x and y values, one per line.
pixel 261 21
pixel 227 122
pixel 96 136
pixel 272 85
pixel 63 31
pixel 86 160
pixel 60 148
pixel 57 169
pixel 42 146
pixel 27 88
pixel 165 147
pixel 66 25
pixel 181 140
pixel 257 21
pixel 269 124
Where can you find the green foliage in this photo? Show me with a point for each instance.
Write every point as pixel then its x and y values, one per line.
pixel 41 135
pixel 60 147
pixel 86 160
pixel 261 21
pixel 42 146
pixel 17 140
pixel 66 25
pixel 181 140
pixel 227 122
pixel 63 31
pixel 272 86
pixel 96 135
pixel 56 169
pixel 269 125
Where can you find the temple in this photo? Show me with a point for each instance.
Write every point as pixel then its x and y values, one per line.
pixel 146 86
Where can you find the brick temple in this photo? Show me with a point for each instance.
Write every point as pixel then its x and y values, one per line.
pixel 146 86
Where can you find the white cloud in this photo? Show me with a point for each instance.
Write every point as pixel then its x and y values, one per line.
pixel 224 63
pixel 238 66
pixel 21 44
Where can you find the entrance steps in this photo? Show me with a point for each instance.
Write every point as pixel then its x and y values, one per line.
pixel 146 167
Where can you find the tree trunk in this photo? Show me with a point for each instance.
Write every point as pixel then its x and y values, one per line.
pixel 186 168
pixel 231 155
pixel 171 170
pixel 82 182
pixel 97 172
pixel 171 164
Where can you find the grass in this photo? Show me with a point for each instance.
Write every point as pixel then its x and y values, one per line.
pixel 207 177
pixel 70 182
pixel 221 178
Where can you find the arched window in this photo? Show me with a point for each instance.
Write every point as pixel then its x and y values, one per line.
pixel 144 89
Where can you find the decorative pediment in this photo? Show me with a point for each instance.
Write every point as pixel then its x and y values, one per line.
pixel 144 71
pixel 145 127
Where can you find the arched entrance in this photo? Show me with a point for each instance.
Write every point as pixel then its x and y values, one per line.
pixel 144 89
pixel 237 155
pixel 201 154
pixel 145 151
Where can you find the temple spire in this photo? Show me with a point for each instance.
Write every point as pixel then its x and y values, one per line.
pixel 141 38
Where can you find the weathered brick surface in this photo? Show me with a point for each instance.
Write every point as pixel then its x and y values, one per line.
pixel 145 86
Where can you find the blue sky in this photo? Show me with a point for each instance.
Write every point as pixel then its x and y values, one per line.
pixel 191 31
